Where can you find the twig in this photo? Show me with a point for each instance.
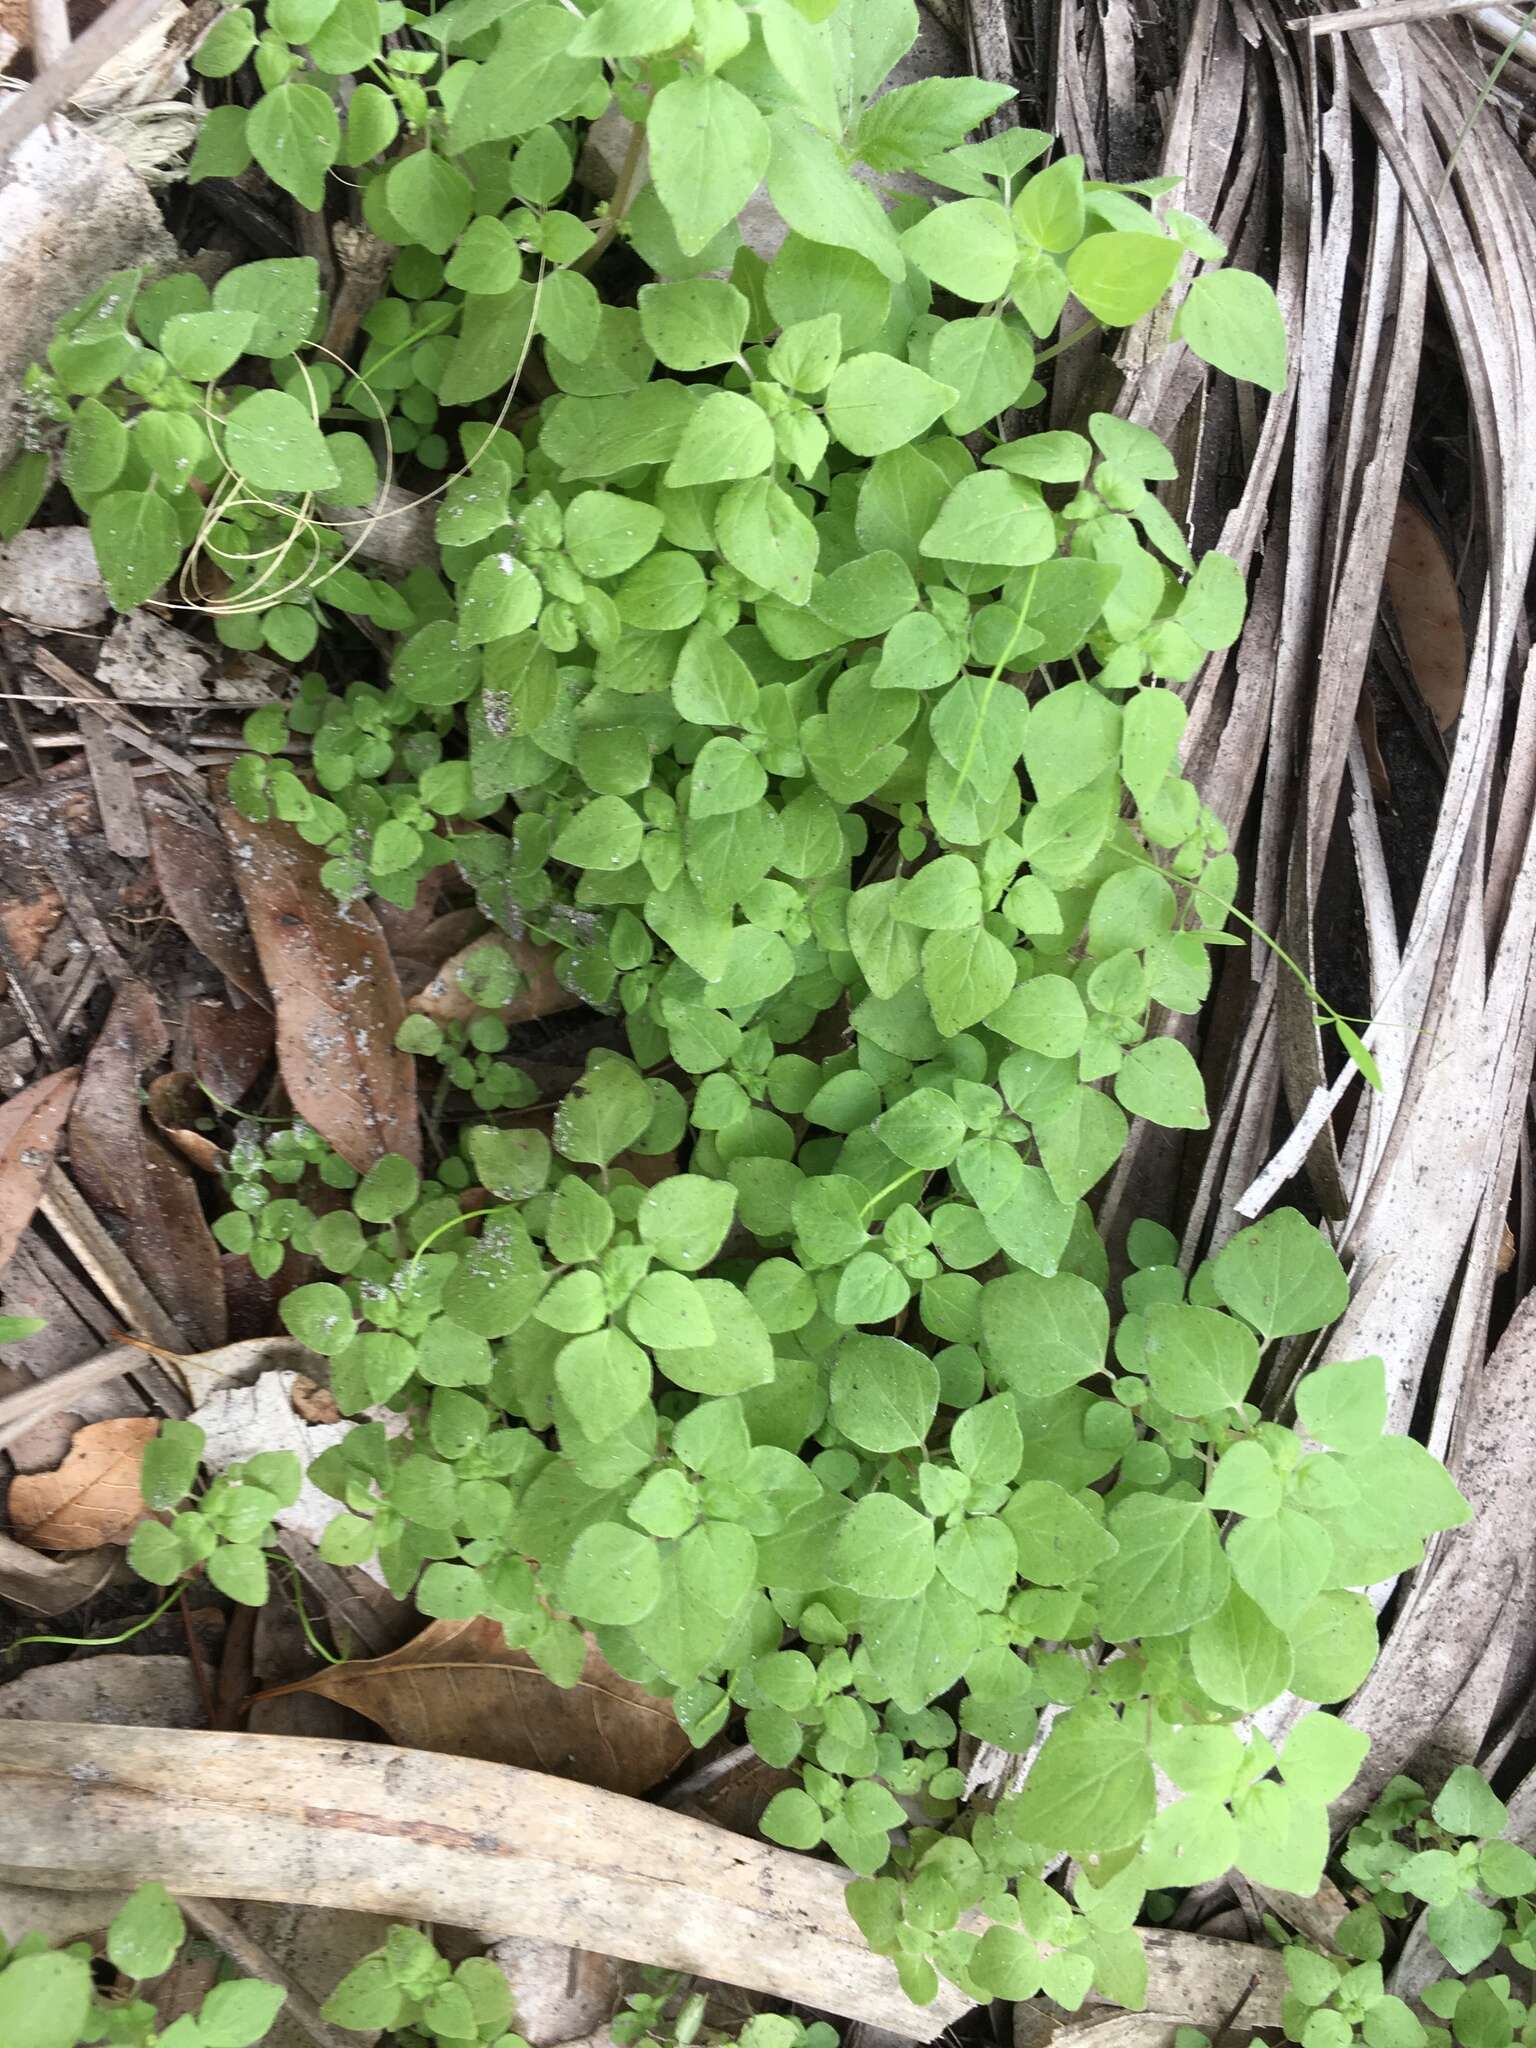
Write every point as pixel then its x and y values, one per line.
pixel 59 83
pixel 86 983
pixel 64 1207
pixel 82 912
pixel 24 744
pixel 122 719
pixel 195 1657
pixel 363 1826
pixel 230 1936
pixel 619 204
pixel 48 21
pixel 29 1405
pixel 20 992
pixel 364 262
pixel 1387 15
pixel 1235 2014
pixel 117 796
pixel 704 1775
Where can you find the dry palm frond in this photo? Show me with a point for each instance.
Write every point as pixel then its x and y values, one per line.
pixel 1371 175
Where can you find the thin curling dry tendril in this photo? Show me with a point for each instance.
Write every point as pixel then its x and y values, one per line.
pixel 238 496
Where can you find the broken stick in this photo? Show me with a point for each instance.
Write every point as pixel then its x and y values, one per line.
pixel 379 1830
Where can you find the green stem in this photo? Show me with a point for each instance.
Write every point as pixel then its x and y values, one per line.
pixel 245 1115
pixel 453 1223
pixel 900 1182
pixel 1002 662
pixel 623 193
pixel 1059 348
pixel 105 1642
pixel 310 1637
pixel 1484 96
pixel 1357 1053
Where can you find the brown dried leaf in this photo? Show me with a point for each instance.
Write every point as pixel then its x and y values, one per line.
pixel 253 1299
pixel 311 1402
pixel 51 1586
pixel 1422 586
pixel 457 1689
pixel 230 1047
pixel 447 1000
pixel 30 1124
pixel 1370 740
pixel 93 1497
pixel 337 995
pixel 177 1105
pixel 197 880
pixel 126 1167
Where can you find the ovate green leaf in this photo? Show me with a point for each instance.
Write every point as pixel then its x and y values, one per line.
pixel 1232 320
pixel 709 149
pixel 295 136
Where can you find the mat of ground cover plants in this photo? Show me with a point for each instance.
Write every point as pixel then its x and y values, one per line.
pixel 764 1043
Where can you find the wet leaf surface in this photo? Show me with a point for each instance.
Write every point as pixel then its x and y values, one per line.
pixel 230 1047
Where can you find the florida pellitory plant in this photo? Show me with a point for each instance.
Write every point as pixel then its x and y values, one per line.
pixel 822 714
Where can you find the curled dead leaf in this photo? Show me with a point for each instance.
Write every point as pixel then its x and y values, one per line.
pixel 93 1497
pixel 458 1689
pixel 254 1299
pixel 449 997
pixel 1422 586
pixel 50 1586
pixel 311 1402
pixel 1370 740
pixel 128 1168
pixel 197 880
pixel 177 1106
pixel 336 993
pixel 30 1124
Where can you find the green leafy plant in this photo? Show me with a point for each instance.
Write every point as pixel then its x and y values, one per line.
pixel 645 2021
pixel 416 1994
pixel 1451 1854
pixel 774 684
pixel 50 1998
pixel 223 1531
